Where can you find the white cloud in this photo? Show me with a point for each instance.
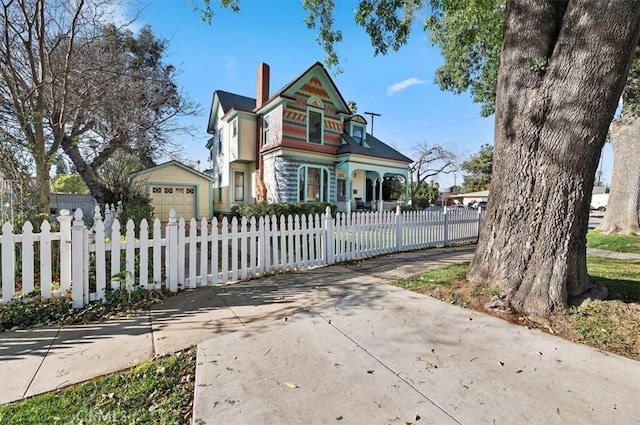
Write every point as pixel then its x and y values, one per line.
pixel 395 88
pixel 120 14
pixel 230 63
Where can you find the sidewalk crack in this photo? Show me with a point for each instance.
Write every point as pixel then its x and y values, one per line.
pixel 397 374
pixel 42 362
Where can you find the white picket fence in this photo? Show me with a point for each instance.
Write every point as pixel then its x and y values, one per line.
pixel 208 252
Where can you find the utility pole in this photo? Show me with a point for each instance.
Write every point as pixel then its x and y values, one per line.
pixel 373 115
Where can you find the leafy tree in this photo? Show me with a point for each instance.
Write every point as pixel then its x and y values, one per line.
pixel 71 82
pixel 478 168
pixel 425 195
pixel 393 187
pixel 69 183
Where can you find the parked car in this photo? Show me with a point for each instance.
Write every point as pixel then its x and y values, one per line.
pixel 482 204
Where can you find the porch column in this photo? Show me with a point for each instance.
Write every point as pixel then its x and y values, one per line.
pixel 380 200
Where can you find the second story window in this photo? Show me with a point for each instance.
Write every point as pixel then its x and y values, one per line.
pixel 234 127
pixel 315 121
pixel 220 142
pixel 314 126
pixel 265 130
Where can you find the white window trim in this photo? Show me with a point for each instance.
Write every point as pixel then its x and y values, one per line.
pixel 324 197
pixel 234 127
pixel 266 128
pixel 244 191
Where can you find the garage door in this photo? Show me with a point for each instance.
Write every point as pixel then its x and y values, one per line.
pixel 180 198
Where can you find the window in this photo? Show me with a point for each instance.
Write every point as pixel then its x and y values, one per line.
pixel 238 183
pixel 234 127
pixel 265 130
pixel 342 190
pixel 220 143
pixel 314 126
pixel 313 184
pixel 358 134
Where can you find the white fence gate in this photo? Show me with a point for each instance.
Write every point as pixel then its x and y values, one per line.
pixel 208 252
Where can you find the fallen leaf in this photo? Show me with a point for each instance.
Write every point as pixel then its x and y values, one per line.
pixel 539 353
pixel 291 385
pixel 431 365
pixel 339 418
pixel 370 371
pixel 518 370
pixel 501 363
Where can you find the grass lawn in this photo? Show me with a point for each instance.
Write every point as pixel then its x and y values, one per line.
pixel 618 243
pixel 611 325
pixel 157 392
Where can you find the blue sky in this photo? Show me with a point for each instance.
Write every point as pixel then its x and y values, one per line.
pixel 399 86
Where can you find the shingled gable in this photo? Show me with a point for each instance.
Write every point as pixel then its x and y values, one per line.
pixel 294 84
pixel 228 101
pixel 376 148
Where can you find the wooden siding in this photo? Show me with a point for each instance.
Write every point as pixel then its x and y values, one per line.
pixel 175 176
pixel 247 139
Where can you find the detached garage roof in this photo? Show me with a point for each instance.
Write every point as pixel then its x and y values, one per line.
pixel 173 163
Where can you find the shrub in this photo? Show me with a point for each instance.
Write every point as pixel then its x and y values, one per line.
pixel 268 209
pixel 136 207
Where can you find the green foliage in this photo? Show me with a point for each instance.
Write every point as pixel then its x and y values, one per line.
pixel 206 10
pixel 269 209
pixel 69 183
pixel 424 195
pixel 136 207
pixel 469 34
pixel 393 188
pixel 478 169
pixel 156 392
pixel 31 310
pixel 631 93
pixel 539 66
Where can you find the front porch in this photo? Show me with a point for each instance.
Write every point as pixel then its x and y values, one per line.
pixel 370 187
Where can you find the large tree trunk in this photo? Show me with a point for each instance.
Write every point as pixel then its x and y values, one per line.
pixel 561 74
pixel 623 207
pixel 91 179
pixel 43 181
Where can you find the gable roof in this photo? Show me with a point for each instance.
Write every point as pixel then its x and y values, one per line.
pixel 169 164
pixel 289 85
pixel 376 148
pixel 238 102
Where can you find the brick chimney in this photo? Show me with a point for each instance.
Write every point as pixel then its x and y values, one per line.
pixel 262 94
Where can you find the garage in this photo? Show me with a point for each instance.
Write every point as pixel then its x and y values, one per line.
pixel 180 198
pixel 178 186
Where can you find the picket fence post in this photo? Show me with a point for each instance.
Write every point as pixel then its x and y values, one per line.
pixel 479 221
pixel 172 251
pixel 446 226
pixel 399 230
pixel 77 263
pixel 65 249
pixel 329 238
pixel 8 262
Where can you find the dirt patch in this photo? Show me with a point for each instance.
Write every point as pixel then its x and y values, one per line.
pixel 609 325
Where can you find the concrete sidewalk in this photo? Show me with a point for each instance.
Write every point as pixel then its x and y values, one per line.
pixel 35 361
pixel 338 344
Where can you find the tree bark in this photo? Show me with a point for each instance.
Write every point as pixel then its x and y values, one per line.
pixel 563 66
pixel 88 173
pixel 623 207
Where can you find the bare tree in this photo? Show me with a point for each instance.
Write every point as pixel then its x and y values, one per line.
pixel 431 162
pixel 71 81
